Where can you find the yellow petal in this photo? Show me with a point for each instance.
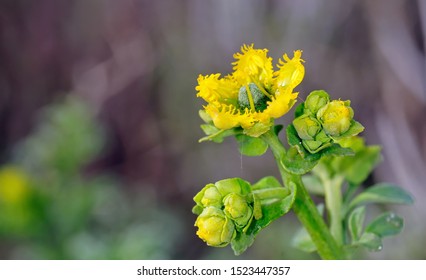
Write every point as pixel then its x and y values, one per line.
pixel 291 71
pixel 253 65
pixel 281 103
pixel 223 116
pixel 212 88
pixel 207 87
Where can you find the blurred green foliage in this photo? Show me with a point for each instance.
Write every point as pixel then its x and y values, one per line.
pixel 50 210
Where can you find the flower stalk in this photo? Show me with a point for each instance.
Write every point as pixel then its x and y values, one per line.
pixel 304 207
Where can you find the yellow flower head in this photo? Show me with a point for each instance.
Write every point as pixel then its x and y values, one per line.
pixel 253 95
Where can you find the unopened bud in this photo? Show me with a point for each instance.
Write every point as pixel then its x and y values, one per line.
pixel 307 127
pixel 237 208
pixel 214 227
pixel 315 101
pixel 336 117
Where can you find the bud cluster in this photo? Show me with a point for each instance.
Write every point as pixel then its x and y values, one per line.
pixel 322 121
pixel 224 208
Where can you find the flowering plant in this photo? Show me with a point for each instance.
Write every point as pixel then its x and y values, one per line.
pixel 324 157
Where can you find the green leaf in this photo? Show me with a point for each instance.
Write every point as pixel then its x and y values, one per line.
pixel 385 225
pixel 278 128
pixel 241 242
pixel 275 209
pixel 251 146
pixel 382 193
pixel 356 222
pixel 204 116
pixel 292 136
pixel 298 160
pixel 370 241
pixel 356 169
pixel 295 163
pixel 271 210
pixel 313 185
pixel 337 150
pixel 299 110
pixel 266 183
pixel 353 130
pixel 216 135
pixel 209 129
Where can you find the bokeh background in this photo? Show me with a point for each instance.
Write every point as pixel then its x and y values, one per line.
pixel 99 122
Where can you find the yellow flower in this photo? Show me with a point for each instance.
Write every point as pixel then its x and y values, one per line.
pixel 253 95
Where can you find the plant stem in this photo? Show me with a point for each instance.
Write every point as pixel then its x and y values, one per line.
pixel 304 207
pixel 333 202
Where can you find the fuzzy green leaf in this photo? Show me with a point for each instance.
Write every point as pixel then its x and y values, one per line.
pixel 370 241
pixel 337 150
pixel 382 193
pixel 251 146
pixel 295 163
pixel 385 225
pixel 356 222
pixel 356 169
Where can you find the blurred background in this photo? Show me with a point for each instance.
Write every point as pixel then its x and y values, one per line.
pixel 99 122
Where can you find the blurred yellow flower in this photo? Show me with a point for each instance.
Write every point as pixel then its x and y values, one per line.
pixel 253 95
pixel 13 185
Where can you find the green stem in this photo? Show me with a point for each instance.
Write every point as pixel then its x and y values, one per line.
pixel 304 207
pixel 333 202
pixel 272 193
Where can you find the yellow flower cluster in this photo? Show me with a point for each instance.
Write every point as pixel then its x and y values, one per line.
pixel 253 95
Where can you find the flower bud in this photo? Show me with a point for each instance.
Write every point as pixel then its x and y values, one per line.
pixel 233 185
pixel 237 208
pixel 315 101
pixel 336 117
pixel 214 227
pixel 307 127
pixel 209 196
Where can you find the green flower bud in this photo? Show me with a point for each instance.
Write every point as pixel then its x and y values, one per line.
pixel 336 117
pixel 315 101
pixel 233 185
pixel 209 196
pixel 214 227
pixel 320 142
pixel 307 127
pixel 237 208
